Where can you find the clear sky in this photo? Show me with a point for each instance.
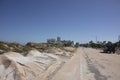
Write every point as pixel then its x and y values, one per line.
pixel 77 20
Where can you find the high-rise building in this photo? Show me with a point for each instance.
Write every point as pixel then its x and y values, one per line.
pixel 58 39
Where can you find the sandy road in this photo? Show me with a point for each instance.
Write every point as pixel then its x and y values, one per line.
pixel 90 64
pixel 99 66
pixel 71 70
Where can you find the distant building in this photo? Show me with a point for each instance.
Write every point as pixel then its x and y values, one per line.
pixel 51 40
pixel 58 39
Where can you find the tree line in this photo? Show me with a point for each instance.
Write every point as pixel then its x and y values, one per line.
pixel 107 47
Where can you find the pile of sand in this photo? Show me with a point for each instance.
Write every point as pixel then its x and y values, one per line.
pixel 33 66
pixel 65 51
pixel 14 66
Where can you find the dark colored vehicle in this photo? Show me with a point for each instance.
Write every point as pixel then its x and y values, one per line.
pixel 109 49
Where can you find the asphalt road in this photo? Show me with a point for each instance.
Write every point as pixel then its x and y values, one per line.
pixel 99 66
pixel 70 70
pixel 90 64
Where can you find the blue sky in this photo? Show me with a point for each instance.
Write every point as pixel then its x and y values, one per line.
pixel 77 20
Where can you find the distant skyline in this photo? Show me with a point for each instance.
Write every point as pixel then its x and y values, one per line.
pixel 78 20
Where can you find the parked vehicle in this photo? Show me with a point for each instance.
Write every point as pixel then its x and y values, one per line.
pixel 109 48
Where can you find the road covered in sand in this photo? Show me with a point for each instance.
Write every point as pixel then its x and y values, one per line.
pixel 90 64
pixel 98 66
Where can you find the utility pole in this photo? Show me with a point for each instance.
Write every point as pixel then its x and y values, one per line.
pixel 96 39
